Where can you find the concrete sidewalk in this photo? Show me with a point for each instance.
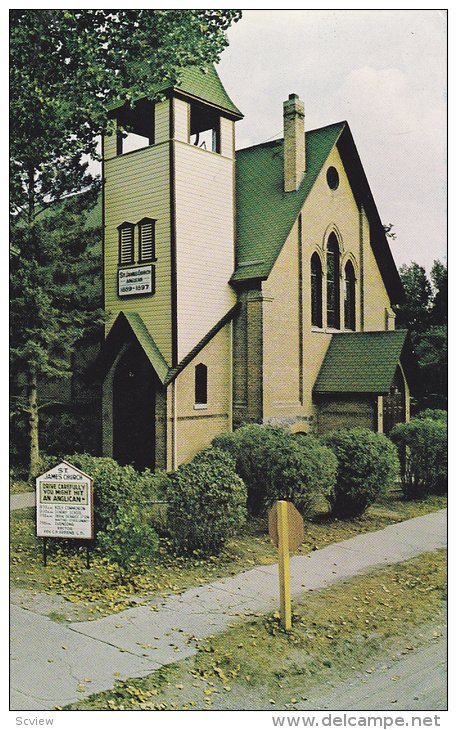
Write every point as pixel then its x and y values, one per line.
pixel 20 501
pixel 55 664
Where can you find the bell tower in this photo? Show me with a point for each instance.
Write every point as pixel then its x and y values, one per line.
pixel 169 211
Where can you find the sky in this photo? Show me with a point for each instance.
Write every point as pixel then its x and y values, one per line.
pixel 384 72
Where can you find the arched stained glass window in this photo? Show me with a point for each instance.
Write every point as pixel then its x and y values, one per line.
pixel 349 297
pixel 316 291
pixel 333 282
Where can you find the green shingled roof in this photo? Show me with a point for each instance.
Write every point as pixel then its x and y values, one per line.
pixel 129 326
pixel 265 213
pixel 204 85
pixel 361 362
pixel 146 341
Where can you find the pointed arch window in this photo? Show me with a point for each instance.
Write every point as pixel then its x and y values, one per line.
pixel 333 282
pixel 316 291
pixel 201 385
pixel 349 297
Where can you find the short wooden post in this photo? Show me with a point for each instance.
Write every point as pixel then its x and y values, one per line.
pixel 284 567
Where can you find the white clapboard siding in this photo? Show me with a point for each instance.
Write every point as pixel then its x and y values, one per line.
pixel 137 187
pixel 162 121
pixel 181 122
pixel 227 138
pixel 204 242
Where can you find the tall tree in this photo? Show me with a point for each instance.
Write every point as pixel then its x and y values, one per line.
pixel 424 313
pixel 66 66
pixel 55 301
pixel 414 313
pixel 440 297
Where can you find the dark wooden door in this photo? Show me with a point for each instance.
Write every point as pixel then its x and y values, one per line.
pixel 394 403
pixel 134 391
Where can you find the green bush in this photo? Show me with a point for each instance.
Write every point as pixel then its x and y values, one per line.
pixel 422 448
pixel 207 503
pixel 128 541
pixel 367 467
pixel 63 429
pixel 157 486
pixel 255 450
pixel 435 414
pixel 302 470
pixel 115 487
pixel 122 511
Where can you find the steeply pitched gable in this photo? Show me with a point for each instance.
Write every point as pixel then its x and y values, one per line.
pixel 266 214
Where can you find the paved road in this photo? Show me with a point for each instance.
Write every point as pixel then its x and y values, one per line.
pixel 55 664
pixel 416 681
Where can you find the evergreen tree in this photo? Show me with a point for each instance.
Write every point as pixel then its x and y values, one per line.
pixel 440 297
pixel 424 313
pixel 414 313
pixel 66 66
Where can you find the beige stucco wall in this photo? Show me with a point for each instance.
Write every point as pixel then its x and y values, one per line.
pixel 196 427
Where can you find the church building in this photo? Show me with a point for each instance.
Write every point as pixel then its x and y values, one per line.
pixel 240 286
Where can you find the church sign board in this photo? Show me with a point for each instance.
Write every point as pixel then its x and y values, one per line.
pixel 135 281
pixel 64 503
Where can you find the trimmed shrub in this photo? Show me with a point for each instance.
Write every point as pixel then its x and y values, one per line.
pixel 422 448
pixel 207 503
pixel 128 541
pixel 122 516
pixel 255 449
pixel 367 467
pixel 303 470
pixel 115 487
pixel 157 486
pixel 434 414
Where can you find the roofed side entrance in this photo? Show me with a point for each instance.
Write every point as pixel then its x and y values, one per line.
pixel 363 381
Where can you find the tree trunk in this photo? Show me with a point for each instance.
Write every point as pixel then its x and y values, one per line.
pixel 33 425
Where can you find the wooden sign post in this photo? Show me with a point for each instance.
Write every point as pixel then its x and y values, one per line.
pixel 286 529
pixel 284 566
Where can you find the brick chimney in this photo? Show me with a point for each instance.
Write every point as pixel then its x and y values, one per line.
pixel 294 143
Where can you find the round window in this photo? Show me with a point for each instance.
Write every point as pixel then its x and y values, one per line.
pixel 333 179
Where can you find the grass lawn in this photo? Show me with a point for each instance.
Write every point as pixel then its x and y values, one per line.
pixel 256 665
pixel 18 486
pixel 101 589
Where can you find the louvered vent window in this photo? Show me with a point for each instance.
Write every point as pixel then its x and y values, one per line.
pixel 126 244
pixel 147 240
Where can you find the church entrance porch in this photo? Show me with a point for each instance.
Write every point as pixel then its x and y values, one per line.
pixel 134 410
